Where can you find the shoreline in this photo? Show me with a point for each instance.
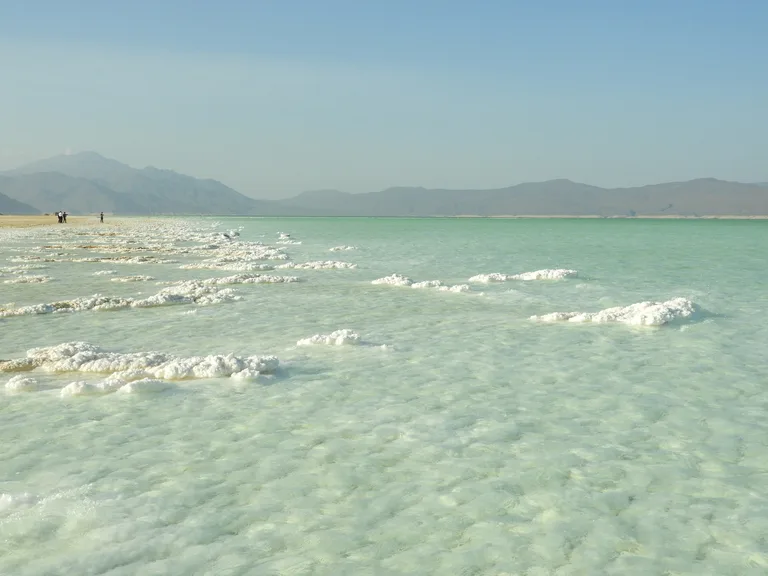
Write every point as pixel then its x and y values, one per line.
pixel 32 221
pixel 17 221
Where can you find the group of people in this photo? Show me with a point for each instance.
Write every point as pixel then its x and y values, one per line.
pixel 62 216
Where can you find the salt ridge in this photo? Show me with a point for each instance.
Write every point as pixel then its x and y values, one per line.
pixel 400 280
pixel 187 292
pixel 546 274
pixel 319 265
pixel 335 338
pixel 28 279
pixel 127 368
pixel 639 314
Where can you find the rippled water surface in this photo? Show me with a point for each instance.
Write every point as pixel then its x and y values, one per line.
pixel 447 433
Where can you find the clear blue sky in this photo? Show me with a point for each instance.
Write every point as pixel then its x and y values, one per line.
pixel 277 97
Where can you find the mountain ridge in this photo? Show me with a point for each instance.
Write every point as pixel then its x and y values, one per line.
pixel 88 182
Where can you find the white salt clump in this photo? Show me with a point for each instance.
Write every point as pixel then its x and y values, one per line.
pixel 547 274
pixel 189 292
pixel 394 280
pixel 440 286
pixel 640 314
pixel 17 365
pixel 342 248
pixel 289 241
pixel 146 386
pixel 227 266
pixel 283 235
pixel 105 273
pixel 21 383
pixel 400 280
pixel 80 389
pixel 427 284
pixel 319 265
pixel 22 269
pixel 124 368
pixel 251 279
pixel 336 338
pixel 28 279
pixel 555 274
pixel 455 288
pixel 137 278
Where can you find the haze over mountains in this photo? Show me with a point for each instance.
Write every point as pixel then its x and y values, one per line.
pixel 88 183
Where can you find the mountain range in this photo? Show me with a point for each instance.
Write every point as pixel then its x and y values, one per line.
pixel 88 183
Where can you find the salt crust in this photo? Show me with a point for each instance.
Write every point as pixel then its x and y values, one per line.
pixel 336 338
pixel 400 280
pixel 546 274
pixel 639 314
pixel 143 371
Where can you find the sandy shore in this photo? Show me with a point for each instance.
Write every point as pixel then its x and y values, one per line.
pixel 13 221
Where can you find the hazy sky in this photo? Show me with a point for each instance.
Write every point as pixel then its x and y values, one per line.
pixel 277 97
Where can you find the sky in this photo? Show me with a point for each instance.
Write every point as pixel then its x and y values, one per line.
pixel 278 97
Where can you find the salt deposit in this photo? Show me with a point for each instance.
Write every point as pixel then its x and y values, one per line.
pixel 319 265
pixel 188 292
pixel 400 280
pixel 105 273
pixel 336 338
pixel 125 368
pixel 21 384
pixel 28 279
pixel 394 280
pixel 251 279
pixel 640 314
pixel 547 274
pixel 482 443
pixel 227 266
pixel 342 248
pixel 137 278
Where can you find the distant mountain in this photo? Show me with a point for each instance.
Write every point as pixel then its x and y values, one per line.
pixel 88 182
pixel 11 206
pixel 706 196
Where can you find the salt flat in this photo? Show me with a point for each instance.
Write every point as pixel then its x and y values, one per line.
pixel 272 396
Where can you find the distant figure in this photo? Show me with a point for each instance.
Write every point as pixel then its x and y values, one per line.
pixel 65 217
pixel 101 217
pixel 60 216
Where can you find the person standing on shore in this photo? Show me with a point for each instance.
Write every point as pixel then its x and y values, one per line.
pixel 64 214
pixel 101 217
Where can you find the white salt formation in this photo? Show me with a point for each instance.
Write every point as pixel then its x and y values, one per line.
pixel 394 280
pixel 137 278
pixel 141 370
pixel 28 279
pixel 319 265
pixel 437 284
pixel 142 386
pixel 21 384
pixel 336 338
pixel 251 279
pixel 640 314
pixel 227 266
pixel 189 292
pixel 342 248
pixel 400 280
pixel 547 274
pixel 105 273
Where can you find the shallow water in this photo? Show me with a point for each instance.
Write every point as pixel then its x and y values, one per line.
pixel 457 437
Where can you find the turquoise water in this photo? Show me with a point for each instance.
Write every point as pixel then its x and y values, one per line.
pixel 461 437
